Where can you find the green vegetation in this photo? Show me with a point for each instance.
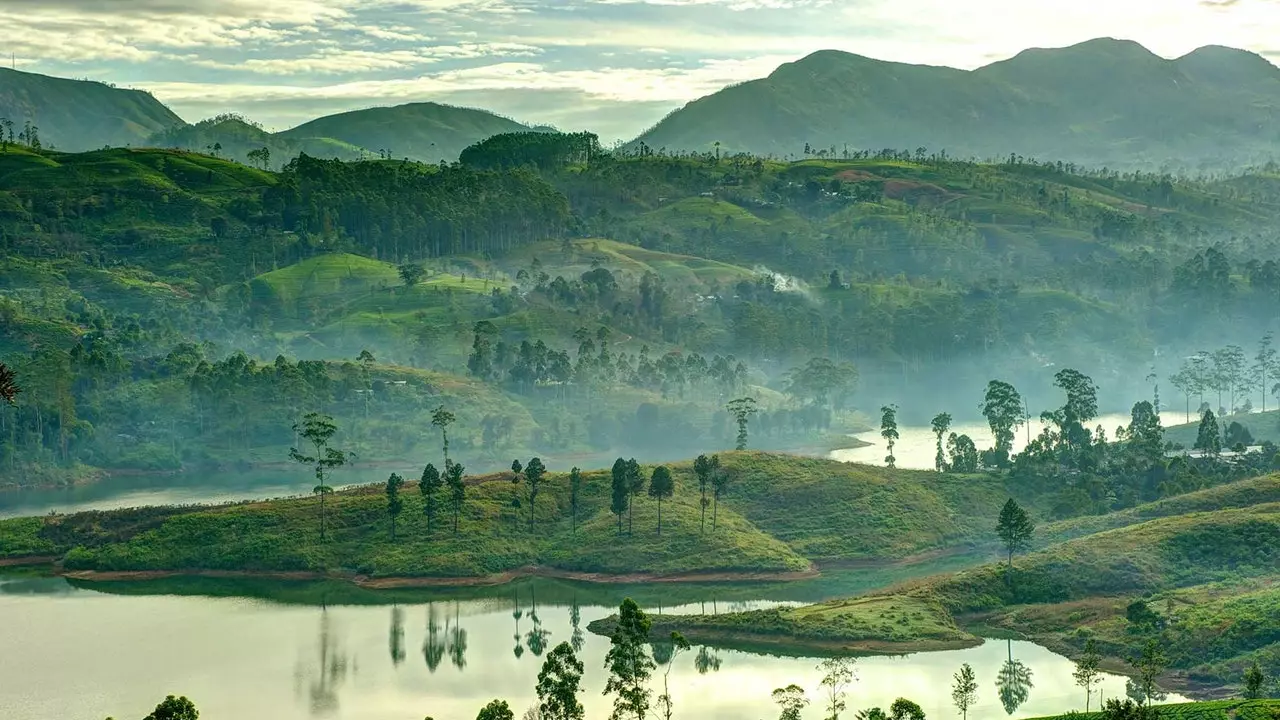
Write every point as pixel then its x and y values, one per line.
pixel 77 115
pixel 1041 102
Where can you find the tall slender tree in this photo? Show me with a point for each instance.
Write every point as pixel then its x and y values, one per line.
pixel 1264 364
pixel 429 487
pixel 661 486
pixel 719 486
pixel 941 423
pixel 1002 406
pixel 8 385
pixel 889 431
pixel 636 481
pixel 318 430
pixel 442 418
pixel 837 675
pixel 533 474
pixel 457 491
pixel 964 692
pixel 1087 672
pixel 629 664
pixel 742 411
pixel 704 467
pixel 621 495
pixel 575 496
pixel 395 505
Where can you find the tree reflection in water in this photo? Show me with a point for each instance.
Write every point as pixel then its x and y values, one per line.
pixel 576 639
pixel 396 639
pixel 517 613
pixel 458 641
pixel 706 660
pixel 1013 683
pixel 433 647
pixel 330 672
pixel 537 637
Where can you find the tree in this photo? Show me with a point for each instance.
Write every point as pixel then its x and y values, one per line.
pixel 904 709
pixel 889 430
pixel 941 423
pixel 411 273
pixel 174 708
pixel 1014 528
pixel 661 486
pixel 665 702
pixel 260 158
pixel 559 683
pixel 8 385
pixel 575 492
pixel 705 468
pixel 1150 664
pixel 636 482
pixel 719 486
pixel 429 486
pixel 1081 407
pixel 533 473
pixel 1087 672
pixel 496 710
pixel 1209 437
pixel 395 505
pixel 1013 682
pixel 442 418
pixel 1264 365
pixel 1254 681
pixel 629 664
pixel 1002 406
pixel 742 409
pixel 837 674
pixel 621 496
pixel 964 692
pixel 791 701
pixel 457 491
pixel 319 430
pixel 964 454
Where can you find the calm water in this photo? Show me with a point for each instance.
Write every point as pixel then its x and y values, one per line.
pixel 917 445
pixel 76 654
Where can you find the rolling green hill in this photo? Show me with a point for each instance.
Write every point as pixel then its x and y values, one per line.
pixel 76 115
pixel 1102 102
pixel 429 132
pixel 234 138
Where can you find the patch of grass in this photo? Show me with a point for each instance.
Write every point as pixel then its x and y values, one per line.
pixel 1211 710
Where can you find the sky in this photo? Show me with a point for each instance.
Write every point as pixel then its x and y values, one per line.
pixel 614 67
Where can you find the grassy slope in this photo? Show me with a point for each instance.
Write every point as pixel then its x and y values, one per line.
pixel 1212 710
pixel 751 535
pixel 1212 570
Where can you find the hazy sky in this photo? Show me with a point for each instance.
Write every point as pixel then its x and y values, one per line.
pixel 613 66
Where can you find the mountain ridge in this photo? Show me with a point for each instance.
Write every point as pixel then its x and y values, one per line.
pixel 1103 102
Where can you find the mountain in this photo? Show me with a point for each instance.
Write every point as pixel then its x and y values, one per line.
pixel 79 115
pixel 1107 102
pixel 233 137
pixel 427 131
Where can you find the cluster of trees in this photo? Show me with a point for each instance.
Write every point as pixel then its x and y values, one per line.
pixel 28 136
pixel 1233 375
pixel 541 150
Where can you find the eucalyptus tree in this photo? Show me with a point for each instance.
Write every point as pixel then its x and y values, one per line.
pixel 964 691
pixel 395 504
pixel 661 486
pixel 1014 528
pixel 889 430
pixel 621 491
pixel 533 474
pixel 318 430
pixel 429 487
pixel 629 664
pixel 442 418
pixel 941 423
pixel 1002 407
pixel 1088 673
pixel 742 410
pixel 575 496
pixel 559 682
pixel 705 468
pixel 457 491
pixel 1264 365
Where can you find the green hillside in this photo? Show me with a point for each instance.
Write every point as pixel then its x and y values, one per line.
pixel 745 533
pixel 1103 102
pixel 429 132
pixel 234 138
pixel 77 115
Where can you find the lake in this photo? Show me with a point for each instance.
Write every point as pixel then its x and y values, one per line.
pixel 72 653
pixel 917 446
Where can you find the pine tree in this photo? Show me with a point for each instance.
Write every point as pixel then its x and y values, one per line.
pixel 1014 528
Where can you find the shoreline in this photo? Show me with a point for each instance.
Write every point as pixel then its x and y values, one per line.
pixel 385 583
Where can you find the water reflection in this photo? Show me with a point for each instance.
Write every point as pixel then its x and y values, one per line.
pixel 706 660
pixel 330 672
pixel 457 641
pixel 396 640
pixel 1013 682
pixel 538 636
pixel 576 639
pixel 433 647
